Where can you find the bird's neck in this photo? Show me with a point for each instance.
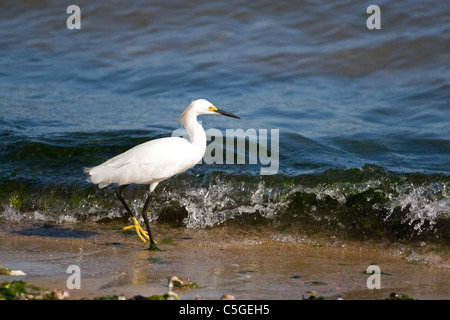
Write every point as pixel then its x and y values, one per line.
pixel 196 132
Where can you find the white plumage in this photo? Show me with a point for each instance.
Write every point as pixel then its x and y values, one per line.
pixel 147 163
pixel 157 160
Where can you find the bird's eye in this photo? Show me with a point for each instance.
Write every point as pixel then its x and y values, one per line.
pixel 211 108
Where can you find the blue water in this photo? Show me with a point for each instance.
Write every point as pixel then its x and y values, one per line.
pixel 363 115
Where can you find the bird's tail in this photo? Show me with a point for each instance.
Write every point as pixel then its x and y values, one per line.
pixel 94 177
pixel 87 171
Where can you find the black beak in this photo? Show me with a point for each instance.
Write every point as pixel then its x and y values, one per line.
pixel 224 113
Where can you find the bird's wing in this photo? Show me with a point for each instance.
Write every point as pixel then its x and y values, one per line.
pixel 146 163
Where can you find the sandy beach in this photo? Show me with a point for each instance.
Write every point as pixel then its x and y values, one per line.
pixel 221 260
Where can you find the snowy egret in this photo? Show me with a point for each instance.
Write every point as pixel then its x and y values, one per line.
pixel 156 160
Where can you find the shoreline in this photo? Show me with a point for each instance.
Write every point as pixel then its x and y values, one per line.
pixel 224 260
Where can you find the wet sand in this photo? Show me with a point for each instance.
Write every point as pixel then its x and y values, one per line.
pixel 248 264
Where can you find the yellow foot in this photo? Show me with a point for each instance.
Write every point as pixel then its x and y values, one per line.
pixel 137 227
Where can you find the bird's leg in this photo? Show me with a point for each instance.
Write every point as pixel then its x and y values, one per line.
pixel 147 224
pixel 136 226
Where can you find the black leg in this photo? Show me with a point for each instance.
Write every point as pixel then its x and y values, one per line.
pixel 152 246
pixel 147 224
pixel 119 195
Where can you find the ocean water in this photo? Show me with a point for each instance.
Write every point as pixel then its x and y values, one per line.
pixel 357 121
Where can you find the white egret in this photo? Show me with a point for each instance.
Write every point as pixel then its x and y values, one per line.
pixel 156 160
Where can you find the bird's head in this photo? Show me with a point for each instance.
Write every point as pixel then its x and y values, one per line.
pixel 202 106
